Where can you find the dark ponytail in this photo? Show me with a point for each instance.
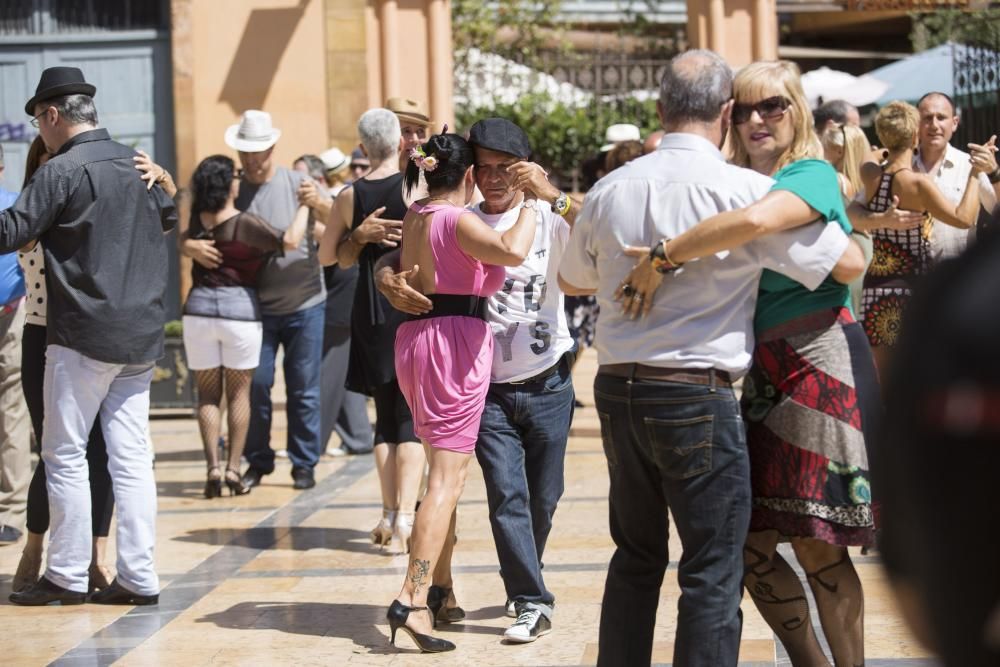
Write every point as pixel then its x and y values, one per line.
pixel 210 185
pixel 453 156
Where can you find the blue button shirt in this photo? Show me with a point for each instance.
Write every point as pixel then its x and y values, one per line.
pixel 11 279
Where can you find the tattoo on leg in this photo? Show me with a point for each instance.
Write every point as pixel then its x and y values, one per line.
pixel 418 573
pixel 763 580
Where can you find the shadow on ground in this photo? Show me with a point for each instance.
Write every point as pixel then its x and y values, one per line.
pixel 296 538
pixel 356 622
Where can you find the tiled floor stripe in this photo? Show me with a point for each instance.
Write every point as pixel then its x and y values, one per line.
pixel 129 631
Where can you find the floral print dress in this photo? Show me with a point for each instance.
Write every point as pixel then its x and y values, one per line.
pixel 898 257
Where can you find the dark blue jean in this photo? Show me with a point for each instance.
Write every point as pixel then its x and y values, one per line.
pixel 301 336
pixel 521 449
pixel 678 446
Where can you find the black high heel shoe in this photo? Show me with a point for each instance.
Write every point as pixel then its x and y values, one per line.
pixel 235 483
pixel 397 615
pixel 437 598
pixel 213 485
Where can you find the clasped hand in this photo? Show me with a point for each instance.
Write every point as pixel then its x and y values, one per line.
pixel 378 230
pixel 636 291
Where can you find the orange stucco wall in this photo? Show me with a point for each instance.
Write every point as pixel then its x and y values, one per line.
pixel 249 54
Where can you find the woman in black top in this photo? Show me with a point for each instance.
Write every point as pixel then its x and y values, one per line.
pixel 364 224
pixel 222 330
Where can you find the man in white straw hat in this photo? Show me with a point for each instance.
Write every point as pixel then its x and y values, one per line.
pixel 292 296
pixel 615 134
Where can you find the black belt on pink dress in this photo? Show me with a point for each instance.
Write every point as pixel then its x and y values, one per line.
pixel 455 305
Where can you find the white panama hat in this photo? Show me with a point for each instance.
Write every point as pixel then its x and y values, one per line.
pixel 334 159
pixel 615 134
pixel 254 132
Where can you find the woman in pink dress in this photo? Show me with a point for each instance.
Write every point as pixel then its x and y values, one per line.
pixel 443 358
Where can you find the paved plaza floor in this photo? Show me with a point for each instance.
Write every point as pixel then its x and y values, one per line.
pixel 280 577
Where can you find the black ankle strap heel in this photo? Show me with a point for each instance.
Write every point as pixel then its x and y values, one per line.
pixel 397 615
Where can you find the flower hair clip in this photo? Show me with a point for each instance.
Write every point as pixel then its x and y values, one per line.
pixel 424 162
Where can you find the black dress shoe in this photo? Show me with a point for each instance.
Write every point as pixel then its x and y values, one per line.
pixel 45 592
pixel 303 477
pixel 118 594
pixel 251 477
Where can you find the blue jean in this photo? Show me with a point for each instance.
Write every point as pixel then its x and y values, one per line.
pixel 521 449
pixel 301 335
pixel 678 446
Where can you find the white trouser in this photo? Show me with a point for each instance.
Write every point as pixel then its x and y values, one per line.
pixel 77 389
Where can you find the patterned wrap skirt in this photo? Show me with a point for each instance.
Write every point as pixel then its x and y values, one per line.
pixel 811 402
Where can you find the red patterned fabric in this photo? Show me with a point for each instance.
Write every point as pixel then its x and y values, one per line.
pixel 806 484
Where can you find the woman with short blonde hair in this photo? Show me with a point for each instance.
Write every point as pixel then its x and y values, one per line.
pixel 901 255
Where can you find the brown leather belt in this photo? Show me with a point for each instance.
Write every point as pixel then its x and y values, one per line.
pixel 704 376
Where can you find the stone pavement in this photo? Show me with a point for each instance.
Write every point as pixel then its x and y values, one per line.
pixel 280 577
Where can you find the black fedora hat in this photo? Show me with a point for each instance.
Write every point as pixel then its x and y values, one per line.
pixel 57 81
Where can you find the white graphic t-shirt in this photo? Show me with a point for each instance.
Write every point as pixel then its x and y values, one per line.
pixel 527 315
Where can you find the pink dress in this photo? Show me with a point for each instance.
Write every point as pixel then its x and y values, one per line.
pixel 443 363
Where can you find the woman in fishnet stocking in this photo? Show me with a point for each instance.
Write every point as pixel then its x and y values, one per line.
pixel 222 328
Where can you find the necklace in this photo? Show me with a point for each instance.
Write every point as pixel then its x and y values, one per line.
pixel 443 200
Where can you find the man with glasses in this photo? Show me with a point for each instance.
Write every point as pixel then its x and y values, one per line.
pixel 360 164
pixel 670 421
pixel 102 233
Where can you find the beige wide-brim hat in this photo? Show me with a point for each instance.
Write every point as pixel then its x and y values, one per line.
pixel 615 134
pixel 253 134
pixel 408 109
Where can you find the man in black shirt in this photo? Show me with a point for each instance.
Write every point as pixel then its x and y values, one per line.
pixel 101 230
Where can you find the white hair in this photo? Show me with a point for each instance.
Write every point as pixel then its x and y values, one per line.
pixel 380 133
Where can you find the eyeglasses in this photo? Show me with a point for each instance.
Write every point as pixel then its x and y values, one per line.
pixel 771 108
pixel 34 121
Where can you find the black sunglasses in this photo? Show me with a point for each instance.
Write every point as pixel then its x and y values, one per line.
pixel 768 109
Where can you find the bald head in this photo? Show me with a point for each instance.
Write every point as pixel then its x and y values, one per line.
pixel 695 86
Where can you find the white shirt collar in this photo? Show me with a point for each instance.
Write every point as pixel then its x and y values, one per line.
pixel 685 141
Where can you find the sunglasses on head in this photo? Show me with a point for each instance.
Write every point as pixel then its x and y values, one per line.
pixel 768 109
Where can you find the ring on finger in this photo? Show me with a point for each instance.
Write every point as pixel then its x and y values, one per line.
pixel 627 289
pixel 637 297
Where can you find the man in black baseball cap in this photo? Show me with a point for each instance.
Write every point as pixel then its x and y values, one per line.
pixel 525 425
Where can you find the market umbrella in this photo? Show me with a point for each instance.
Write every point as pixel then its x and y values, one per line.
pixel 928 71
pixel 825 84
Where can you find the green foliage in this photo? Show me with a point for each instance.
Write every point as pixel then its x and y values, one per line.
pixel 978 28
pixel 173 329
pixel 475 24
pixel 563 136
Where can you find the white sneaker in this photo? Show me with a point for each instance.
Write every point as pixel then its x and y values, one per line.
pixel 281 453
pixel 529 626
pixel 510 610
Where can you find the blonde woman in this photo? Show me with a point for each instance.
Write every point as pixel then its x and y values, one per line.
pixel 809 398
pixel 846 147
pixel 902 255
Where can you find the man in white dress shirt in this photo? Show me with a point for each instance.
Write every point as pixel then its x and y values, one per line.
pixel 949 167
pixel 670 421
